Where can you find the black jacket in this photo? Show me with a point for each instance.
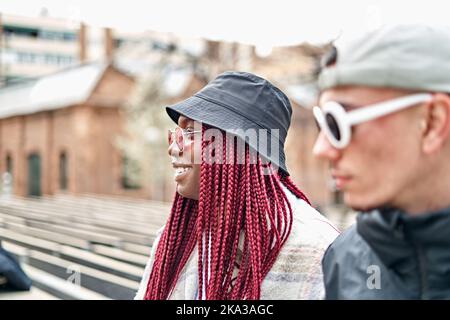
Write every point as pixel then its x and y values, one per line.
pixel 11 274
pixel 390 255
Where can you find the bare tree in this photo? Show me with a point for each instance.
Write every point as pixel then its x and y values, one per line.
pixel 145 142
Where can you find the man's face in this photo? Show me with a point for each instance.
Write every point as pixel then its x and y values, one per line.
pixel 383 161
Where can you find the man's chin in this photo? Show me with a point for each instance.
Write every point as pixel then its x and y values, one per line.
pixel 358 206
pixel 362 208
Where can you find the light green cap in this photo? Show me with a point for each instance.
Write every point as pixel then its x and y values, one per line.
pixel 415 57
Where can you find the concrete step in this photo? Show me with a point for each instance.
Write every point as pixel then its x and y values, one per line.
pixel 107 284
pixel 78 256
pixel 136 248
pixel 33 294
pixel 48 235
pixel 58 287
pixel 121 255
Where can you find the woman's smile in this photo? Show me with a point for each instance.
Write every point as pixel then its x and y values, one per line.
pixel 181 171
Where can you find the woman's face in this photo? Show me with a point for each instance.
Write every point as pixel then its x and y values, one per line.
pixel 187 172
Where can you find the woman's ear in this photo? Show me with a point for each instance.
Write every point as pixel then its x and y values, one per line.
pixel 436 123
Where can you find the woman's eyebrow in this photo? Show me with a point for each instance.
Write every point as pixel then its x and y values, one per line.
pixel 183 122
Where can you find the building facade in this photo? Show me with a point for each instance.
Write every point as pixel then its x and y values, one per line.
pixel 57 133
pixel 58 123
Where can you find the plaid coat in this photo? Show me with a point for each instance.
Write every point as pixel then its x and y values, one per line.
pixel 297 272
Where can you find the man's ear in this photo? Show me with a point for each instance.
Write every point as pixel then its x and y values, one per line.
pixel 436 123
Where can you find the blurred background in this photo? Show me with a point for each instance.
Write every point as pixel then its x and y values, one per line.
pixel 85 180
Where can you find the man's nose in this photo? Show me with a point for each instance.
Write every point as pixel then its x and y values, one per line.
pixel 324 149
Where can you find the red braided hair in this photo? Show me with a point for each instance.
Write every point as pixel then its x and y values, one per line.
pixel 239 225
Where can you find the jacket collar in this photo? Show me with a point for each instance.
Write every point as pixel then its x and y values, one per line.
pixel 396 236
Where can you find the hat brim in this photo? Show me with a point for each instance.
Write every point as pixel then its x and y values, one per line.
pixel 228 120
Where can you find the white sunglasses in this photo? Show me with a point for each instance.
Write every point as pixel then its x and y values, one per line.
pixel 336 122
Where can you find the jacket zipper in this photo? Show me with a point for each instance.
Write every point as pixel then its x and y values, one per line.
pixel 423 273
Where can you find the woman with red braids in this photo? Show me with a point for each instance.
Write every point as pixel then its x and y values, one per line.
pixel 239 228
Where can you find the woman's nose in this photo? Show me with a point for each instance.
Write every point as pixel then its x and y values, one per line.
pixel 173 149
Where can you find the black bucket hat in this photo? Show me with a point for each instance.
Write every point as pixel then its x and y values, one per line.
pixel 241 101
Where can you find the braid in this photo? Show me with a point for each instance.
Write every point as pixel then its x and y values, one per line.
pixel 160 281
pixel 204 206
pixel 239 225
pixel 286 180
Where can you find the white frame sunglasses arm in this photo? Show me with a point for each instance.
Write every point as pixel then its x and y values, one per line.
pixel 345 120
pixel 384 108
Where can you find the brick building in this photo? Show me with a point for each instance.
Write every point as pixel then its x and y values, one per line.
pixel 56 132
pixel 59 133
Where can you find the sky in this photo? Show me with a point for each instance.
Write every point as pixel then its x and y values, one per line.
pixel 264 23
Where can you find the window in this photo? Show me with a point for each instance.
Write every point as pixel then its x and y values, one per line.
pixel 51 58
pixel 34 175
pixel 9 164
pixel 131 174
pixel 63 171
pixel 11 30
pixel 57 35
pixel 118 43
pixel 27 57
pixel 6 178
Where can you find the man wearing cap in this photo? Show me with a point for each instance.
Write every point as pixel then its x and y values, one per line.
pixel 385 129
